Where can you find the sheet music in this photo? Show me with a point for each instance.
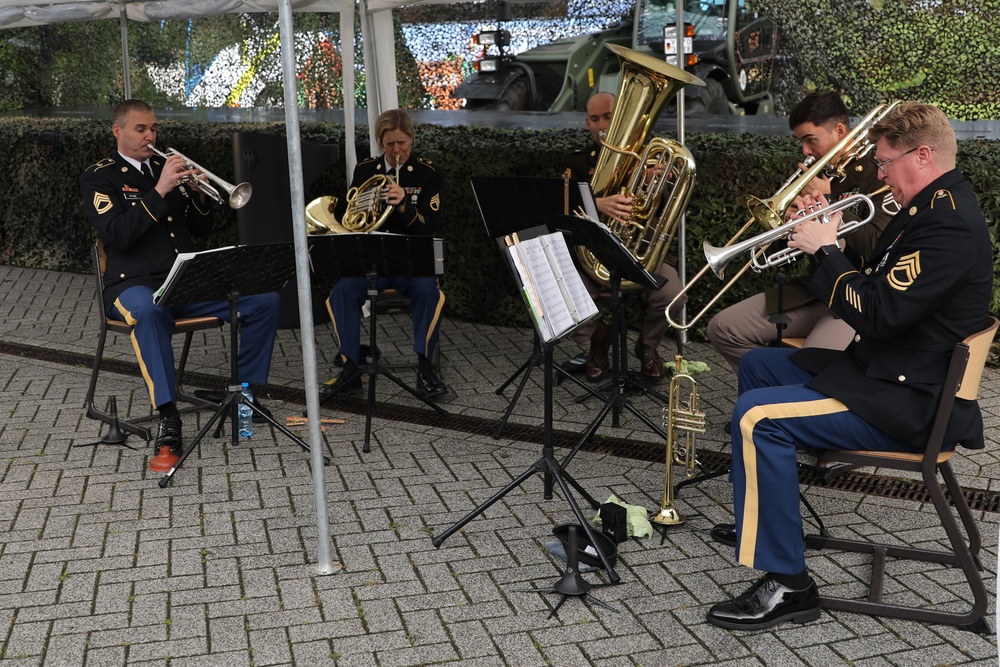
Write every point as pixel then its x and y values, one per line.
pixel 529 292
pixel 546 283
pixel 589 206
pixel 178 265
pixel 583 305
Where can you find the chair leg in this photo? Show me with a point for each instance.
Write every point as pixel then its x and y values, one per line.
pixel 93 412
pixel 962 507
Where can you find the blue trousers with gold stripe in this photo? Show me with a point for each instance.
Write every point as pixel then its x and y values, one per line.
pixel 349 295
pixel 774 414
pixel 152 328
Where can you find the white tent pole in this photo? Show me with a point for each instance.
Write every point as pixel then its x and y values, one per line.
pixel 126 65
pixel 371 74
pixel 307 331
pixel 347 57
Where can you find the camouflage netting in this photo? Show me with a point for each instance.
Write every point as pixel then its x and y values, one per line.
pixel 939 51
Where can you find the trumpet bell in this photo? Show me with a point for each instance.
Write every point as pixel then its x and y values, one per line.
pixel 240 195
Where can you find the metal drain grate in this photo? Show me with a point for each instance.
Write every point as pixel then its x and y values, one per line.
pixel 882 486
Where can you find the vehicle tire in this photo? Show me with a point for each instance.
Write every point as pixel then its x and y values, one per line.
pixel 515 98
pixel 710 99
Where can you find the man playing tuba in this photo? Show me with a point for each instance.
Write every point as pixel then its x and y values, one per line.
pixel 616 206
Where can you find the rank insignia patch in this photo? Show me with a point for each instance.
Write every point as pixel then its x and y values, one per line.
pixel 853 298
pixel 102 203
pixel 435 202
pixel 905 272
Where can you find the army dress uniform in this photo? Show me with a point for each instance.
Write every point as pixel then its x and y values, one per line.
pixel 654 324
pixel 422 180
pixel 142 234
pixel 746 325
pixel 925 287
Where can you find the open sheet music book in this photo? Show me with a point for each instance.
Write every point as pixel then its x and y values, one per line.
pixel 180 263
pixel 550 283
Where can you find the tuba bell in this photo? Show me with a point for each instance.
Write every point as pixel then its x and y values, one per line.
pixel 646 85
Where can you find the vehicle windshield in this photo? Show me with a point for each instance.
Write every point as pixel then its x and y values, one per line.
pixel 707 16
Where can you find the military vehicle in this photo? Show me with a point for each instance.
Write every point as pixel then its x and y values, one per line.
pixel 728 46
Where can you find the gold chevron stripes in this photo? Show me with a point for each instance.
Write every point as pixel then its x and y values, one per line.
pixel 905 272
pixel 435 202
pixel 102 203
pixel 853 298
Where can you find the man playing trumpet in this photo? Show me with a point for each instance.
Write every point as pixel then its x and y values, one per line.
pixel 819 122
pixel 145 215
pixel 925 287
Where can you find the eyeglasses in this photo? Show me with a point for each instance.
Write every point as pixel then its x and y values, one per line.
pixel 882 164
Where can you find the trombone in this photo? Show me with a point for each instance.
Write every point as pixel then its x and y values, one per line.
pixel 769 212
pixel 238 195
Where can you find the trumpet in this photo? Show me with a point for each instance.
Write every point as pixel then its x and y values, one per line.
pixel 679 418
pixel 718 258
pixel 208 183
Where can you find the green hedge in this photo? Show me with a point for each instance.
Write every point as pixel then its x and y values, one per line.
pixel 42 223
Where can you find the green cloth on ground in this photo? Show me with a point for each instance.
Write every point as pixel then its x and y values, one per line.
pixel 636 518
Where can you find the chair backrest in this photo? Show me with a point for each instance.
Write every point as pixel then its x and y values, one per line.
pixel 979 348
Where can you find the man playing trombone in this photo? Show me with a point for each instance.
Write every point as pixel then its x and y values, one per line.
pixel 146 212
pixel 925 287
pixel 819 122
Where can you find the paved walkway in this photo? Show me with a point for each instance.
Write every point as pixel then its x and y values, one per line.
pixel 99 566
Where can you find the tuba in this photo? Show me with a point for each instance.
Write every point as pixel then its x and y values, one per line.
pixel 646 85
pixel 681 419
pixel 770 212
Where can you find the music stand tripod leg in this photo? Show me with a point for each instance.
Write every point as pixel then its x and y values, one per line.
pixel 549 466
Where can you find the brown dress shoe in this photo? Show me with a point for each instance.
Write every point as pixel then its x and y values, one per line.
pixel 597 359
pixel 652 365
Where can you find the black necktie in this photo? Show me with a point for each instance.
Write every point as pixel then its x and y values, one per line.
pixel 147 172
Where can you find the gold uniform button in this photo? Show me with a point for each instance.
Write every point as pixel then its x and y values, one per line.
pixel 170 218
pixel 857 338
pixel 913 210
pixel 902 378
pixel 121 275
pixel 172 235
pixel 868 271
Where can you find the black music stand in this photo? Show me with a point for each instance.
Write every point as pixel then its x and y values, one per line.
pixel 622 265
pixel 372 255
pixel 227 274
pixel 550 468
pixel 513 205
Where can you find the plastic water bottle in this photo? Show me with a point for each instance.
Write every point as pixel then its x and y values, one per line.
pixel 246 414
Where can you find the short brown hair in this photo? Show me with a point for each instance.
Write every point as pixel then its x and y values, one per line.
pixel 913 124
pixel 128 106
pixel 394 119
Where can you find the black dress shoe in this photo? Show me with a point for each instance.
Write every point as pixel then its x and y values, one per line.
pixel 767 603
pixel 725 533
pixel 429 384
pixel 169 434
pixel 348 382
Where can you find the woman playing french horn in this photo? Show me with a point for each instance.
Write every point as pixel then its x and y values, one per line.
pixel 819 122
pixel 411 186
